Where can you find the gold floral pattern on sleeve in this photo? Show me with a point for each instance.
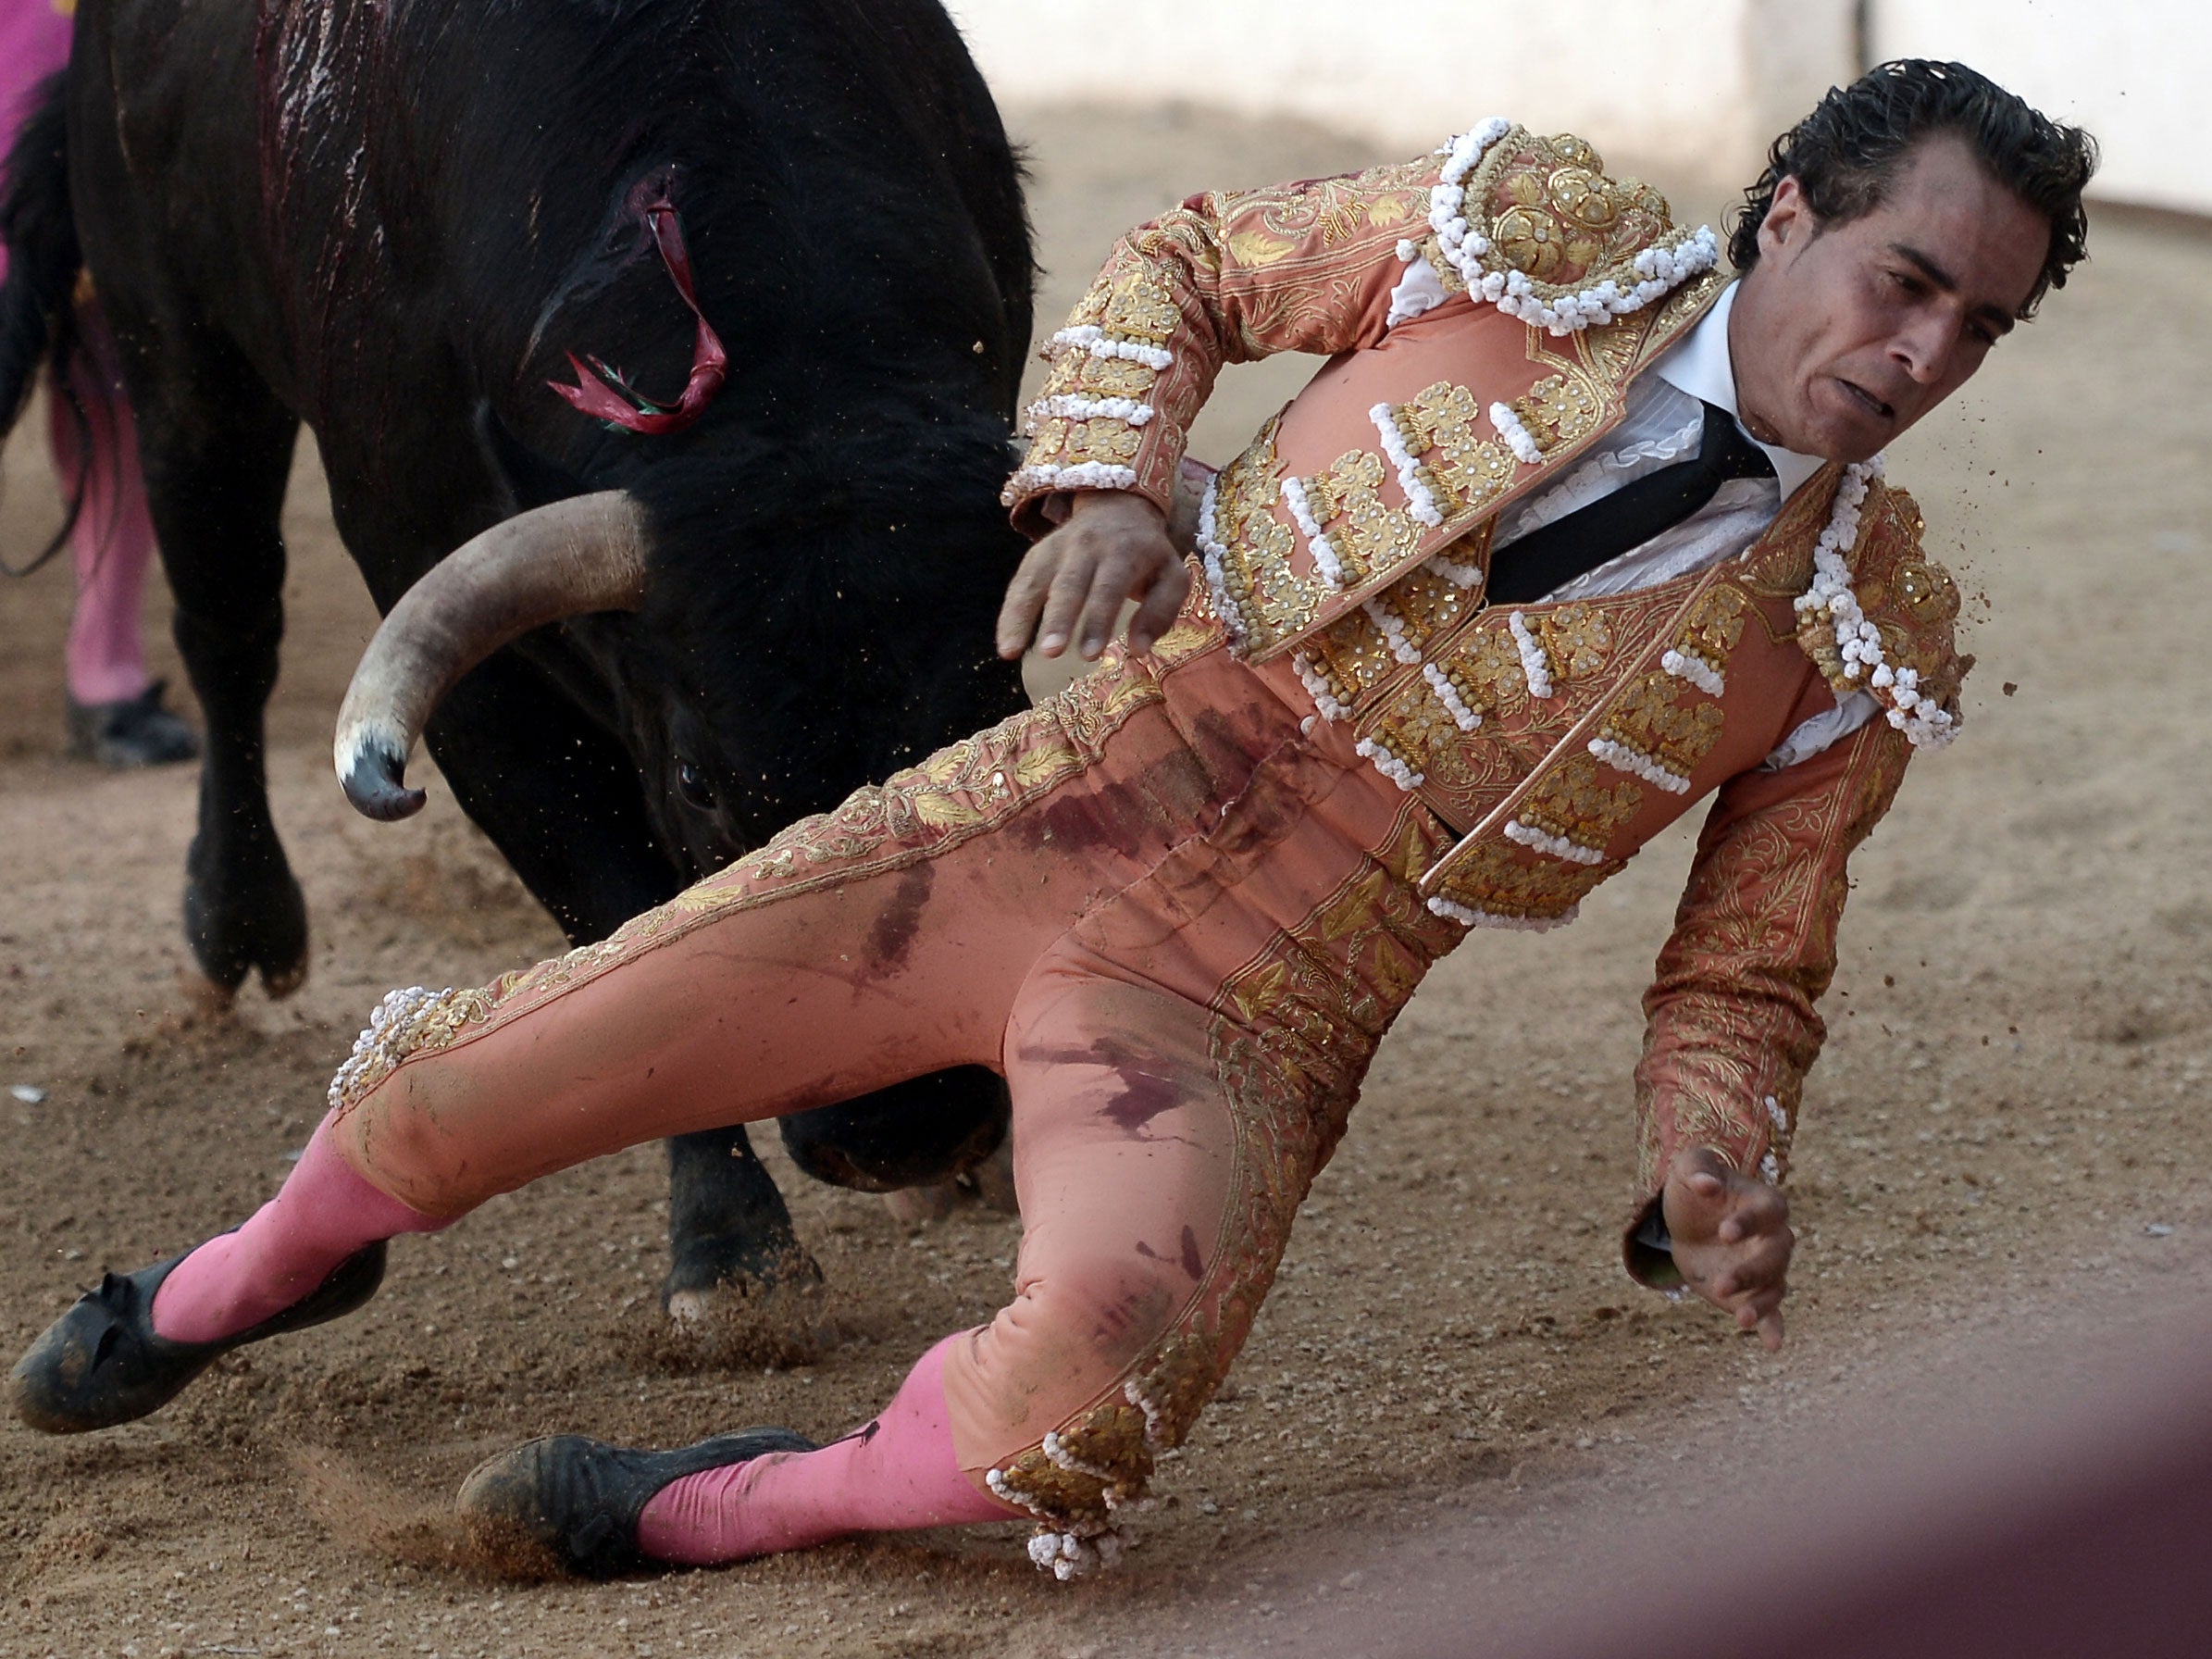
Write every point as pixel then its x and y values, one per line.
pixel 1731 1027
pixel 1225 277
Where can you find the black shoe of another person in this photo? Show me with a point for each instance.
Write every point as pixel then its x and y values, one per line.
pixel 580 1499
pixel 136 733
pixel 102 1363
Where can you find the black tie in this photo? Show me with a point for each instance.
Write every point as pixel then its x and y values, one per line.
pixel 1554 555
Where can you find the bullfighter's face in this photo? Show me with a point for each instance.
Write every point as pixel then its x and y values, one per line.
pixel 1843 335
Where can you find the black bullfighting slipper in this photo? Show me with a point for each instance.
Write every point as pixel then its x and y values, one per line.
pixel 102 1363
pixel 580 1499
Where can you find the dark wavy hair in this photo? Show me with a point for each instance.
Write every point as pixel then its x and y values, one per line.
pixel 1845 155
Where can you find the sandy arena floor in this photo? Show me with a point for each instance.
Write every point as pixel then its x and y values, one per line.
pixel 2007 1130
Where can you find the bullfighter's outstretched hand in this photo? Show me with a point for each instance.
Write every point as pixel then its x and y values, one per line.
pixel 1731 1238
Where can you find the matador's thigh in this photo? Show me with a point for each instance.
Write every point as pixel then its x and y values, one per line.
pixel 1182 1064
pixel 877 942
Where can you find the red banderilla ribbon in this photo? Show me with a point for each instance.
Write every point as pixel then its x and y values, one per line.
pixel 603 394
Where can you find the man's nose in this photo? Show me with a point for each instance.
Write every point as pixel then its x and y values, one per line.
pixel 1923 349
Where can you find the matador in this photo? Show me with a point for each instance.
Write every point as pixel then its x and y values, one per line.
pixel 1570 533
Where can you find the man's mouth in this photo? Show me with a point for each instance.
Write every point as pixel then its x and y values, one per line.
pixel 1868 401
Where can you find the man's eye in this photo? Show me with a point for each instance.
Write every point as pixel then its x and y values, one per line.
pixel 691 783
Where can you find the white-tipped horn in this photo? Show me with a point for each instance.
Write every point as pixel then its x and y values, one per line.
pixel 564 559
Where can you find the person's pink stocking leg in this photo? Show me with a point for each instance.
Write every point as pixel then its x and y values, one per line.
pixel 323 1214
pixel 112 543
pixel 898 1473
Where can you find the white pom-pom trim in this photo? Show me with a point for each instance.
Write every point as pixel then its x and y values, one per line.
pixel 1467 916
pixel 1213 559
pixel 1086 475
pixel 1465 719
pixel 1325 563
pixel 1420 501
pixel 1073 407
pixel 1090 337
pixel 1534 668
pixel 1517 436
pixel 1660 270
pixel 1390 765
pixel 1556 846
pixel 1622 758
pixel 1394 631
pixel 1696 670
pixel 1925 723
pixel 1317 688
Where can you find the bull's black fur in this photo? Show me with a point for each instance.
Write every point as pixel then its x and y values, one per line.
pixel 392 221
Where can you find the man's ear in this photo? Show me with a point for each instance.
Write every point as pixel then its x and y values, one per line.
pixel 1789 218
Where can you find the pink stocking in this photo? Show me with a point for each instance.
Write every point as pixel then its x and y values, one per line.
pixel 898 1472
pixel 323 1214
pixel 112 543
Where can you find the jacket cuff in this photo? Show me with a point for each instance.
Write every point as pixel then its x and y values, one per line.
pixel 1646 1250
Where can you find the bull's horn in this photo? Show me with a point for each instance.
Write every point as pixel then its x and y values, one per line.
pixel 564 559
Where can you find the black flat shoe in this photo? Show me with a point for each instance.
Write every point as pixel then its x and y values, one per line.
pixel 581 1498
pixel 137 731
pixel 102 1363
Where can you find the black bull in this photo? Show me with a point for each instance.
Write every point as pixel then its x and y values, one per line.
pixel 395 221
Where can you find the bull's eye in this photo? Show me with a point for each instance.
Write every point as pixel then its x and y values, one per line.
pixel 691 783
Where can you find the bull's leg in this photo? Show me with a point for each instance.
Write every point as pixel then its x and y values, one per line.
pixel 217 450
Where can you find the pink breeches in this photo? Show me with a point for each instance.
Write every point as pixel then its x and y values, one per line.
pixel 1176 922
pixel 112 542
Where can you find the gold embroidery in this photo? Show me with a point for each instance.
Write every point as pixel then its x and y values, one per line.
pixel 1651 720
pixel 1502 880
pixel 1550 213
pixel 1561 409
pixel 1258 249
pixel 1139 306
pixel 1577 639
pixel 1710 631
pixel 1367 535
pixel 1080 374
pixel 1354 655
pixel 1069 442
pixel 1465 468
pixel 1486 668
pixel 1273 601
pixel 1573 803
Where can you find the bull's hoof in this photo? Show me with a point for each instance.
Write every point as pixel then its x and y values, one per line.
pixel 102 1363
pixel 240 927
pixel 731 1242
pixel 579 1498
pixel 988 1184
pixel 913 1206
pixel 714 1277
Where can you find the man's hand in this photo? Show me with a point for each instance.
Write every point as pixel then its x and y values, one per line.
pixel 1731 1238
pixel 1114 546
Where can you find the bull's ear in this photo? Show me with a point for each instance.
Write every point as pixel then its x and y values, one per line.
pixel 526 479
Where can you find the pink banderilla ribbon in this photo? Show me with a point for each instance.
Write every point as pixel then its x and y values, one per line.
pixel 603 394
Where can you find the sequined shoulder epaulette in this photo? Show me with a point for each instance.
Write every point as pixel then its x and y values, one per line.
pixel 1537 227
pixel 1880 616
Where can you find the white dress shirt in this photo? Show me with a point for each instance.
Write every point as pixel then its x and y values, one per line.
pixel 1664 424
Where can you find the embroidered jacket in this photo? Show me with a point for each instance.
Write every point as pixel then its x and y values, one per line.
pixel 1485 311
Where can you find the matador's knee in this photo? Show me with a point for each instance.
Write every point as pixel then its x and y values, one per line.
pixel 1147 1351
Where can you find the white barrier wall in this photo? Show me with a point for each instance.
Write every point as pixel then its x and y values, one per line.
pixel 1684 87
pixel 2132 72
